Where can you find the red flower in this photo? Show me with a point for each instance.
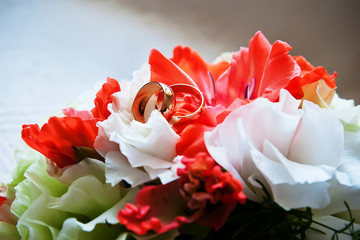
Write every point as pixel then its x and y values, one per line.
pixel 57 139
pixel 202 186
pixel 158 208
pixel 308 84
pixel 261 70
pixel 103 98
pixel 186 67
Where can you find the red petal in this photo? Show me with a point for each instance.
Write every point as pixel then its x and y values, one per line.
pixel 55 140
pixel 312 74
pixel 161 213
pixel 198 70
pixel 103 98
pixel 263 67
pixel 192 140
pixel 165 71
pixel 2 200
pixel 231 85
pixel 192 134
pixel 208 190
pixel 259 49
pixel 280 68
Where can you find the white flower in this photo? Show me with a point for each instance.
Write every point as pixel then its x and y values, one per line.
pixel 299 154
pixel 136 152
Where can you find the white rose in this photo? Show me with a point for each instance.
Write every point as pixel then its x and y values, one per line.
pixel 136 152
pixel 303 156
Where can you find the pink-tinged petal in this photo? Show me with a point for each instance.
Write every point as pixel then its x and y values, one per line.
pixel 247 67
pixel 232 83
pixel 258 71
pixel 165 71
pixel 83 114
pixel 160 214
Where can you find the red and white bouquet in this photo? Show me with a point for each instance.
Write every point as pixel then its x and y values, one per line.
pixel 256 145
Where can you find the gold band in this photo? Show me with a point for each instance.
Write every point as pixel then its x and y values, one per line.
pixel 161 96
pixel 155 95
pixel 197 96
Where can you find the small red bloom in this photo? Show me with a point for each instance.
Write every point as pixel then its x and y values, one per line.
pixel 157 208
pixel 103 98
pixel 203 194
pixel 203 184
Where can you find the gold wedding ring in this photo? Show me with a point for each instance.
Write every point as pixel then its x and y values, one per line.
pixel 181 91
pixel 153 95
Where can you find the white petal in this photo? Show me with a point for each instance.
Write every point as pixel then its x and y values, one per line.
pixel 117 168
pixel 318 140
pixel 293 184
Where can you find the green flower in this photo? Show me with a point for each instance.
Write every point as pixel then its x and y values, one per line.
pixel 75 203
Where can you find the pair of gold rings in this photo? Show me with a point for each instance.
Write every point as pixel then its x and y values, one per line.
pixel 155 95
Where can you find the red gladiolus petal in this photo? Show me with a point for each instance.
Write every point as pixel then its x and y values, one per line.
pixel 192 140
pixel 55 140
pixel 279 70
pixel 198 70
pixel 192 134
pixel 103 98
pixel 165 71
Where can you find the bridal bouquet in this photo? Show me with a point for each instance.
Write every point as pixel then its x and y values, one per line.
pixel 256 145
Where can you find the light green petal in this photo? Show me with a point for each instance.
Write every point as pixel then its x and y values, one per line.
pixel 86 167
pixel 40 222
pixel 74 229
pixel 25 157
pixel 37 182
pixel 38 175
pixel 74 204
pixel 26 194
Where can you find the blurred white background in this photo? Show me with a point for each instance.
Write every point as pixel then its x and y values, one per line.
pixel 53 50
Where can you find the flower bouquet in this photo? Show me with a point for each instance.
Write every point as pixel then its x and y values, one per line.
pixel 256 145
